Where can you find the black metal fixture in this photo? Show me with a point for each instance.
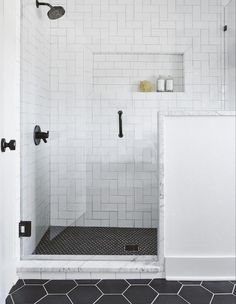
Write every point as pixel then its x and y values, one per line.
pixel 225 28
pixel 55 12
pixel 131 247
pixel 24 229
pixel 120 124
pixel 11 145
pixel 39 135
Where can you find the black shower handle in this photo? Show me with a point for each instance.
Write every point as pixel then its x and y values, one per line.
pixel 39 135
pixel 44 136
pixel 120 124
pixel 11 145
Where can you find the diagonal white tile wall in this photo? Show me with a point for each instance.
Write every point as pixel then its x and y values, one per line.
pixel 121 184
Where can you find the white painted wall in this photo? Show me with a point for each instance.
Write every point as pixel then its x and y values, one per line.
pixel 9 128
pixel 199 196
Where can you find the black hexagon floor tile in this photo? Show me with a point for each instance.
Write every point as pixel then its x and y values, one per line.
pixel 55 299
pixel 218 286
pixel 139 282
pixel 84 294
pixel 140 294
pixel 60 286
pixel 35 282
pixel 190 282
pixel 122 292
pixel 87 282
pixel 169 299
pixel 112 299
pixel 28 294
pixel 17 286
pixel 224 299
pixel 113 286
pixel 163 286
pixel 9 300
pixel 196 294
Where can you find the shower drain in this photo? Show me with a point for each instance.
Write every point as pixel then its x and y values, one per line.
pixel 131 247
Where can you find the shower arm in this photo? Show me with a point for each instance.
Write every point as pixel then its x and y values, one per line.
pixel 42 3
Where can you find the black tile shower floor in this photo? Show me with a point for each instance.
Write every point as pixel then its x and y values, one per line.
pixel 97 241
pixel 157 291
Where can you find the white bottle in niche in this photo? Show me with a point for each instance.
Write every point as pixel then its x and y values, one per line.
pixel 161 84
pixel 169 84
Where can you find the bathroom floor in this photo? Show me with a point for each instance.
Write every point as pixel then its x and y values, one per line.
pixel 157 291
pixel 98 241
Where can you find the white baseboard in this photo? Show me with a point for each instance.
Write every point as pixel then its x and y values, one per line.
pixel 200 268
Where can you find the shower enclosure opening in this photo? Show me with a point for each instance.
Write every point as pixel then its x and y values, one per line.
pixel 89 174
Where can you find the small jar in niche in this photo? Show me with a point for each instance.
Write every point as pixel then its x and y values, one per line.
pixel 169 84
pixel 161 84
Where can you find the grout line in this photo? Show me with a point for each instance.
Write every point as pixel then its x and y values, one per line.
pixel 41 299
pixel 12 299
pixel 155 298
pixel 69 299
pixel 207 289
pixel 98 299
pixel 18 289
pixel 212 299
pixel 184 299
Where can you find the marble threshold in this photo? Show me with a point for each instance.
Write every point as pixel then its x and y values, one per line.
pixel 135 266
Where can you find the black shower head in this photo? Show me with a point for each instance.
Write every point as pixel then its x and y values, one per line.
pixel 55 12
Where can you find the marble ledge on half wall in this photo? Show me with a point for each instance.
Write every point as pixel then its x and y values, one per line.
pixel 136 266
pixel 197 113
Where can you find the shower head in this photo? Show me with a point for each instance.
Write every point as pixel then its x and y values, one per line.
pixel 55 12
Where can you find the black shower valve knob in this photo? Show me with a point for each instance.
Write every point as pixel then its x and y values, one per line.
pixel 42 135
pixel 39 135
pixel 11 145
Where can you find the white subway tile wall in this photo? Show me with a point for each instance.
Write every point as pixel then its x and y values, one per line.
pixel 35 109
pixel 230 60
pixel 99 179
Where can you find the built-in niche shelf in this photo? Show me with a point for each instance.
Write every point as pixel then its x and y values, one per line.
pixel 125 70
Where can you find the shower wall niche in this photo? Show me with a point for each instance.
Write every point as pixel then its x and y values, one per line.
pixel 77 73
pixel 126 70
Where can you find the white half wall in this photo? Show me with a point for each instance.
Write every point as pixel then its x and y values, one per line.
pixel 199 197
